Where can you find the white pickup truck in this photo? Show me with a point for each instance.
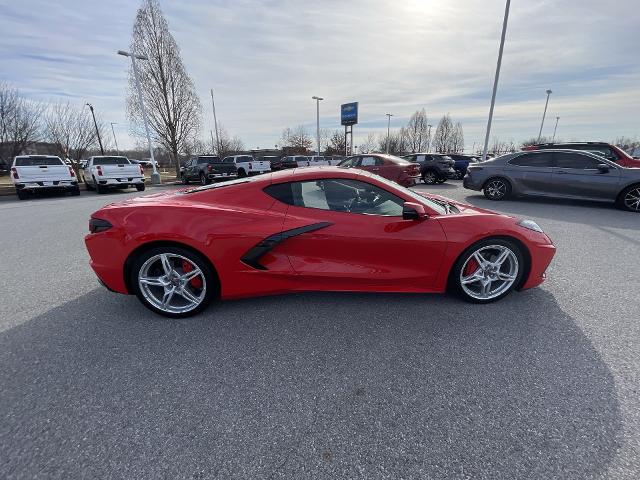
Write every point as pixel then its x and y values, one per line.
pixel 247 165
pixel 110 171
pixel 31 173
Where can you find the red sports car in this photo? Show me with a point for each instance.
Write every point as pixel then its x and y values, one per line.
pixel 319 228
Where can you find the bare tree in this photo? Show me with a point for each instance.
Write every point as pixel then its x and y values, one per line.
pixel 457 139
pixel 19 122
pixel 71 130
pixel 228 145
pixel 297 139
pixel 398 142
pixel 443 139
pixel 369 143
pixel 173 107
pixel 417 131
pixel 336 143
pixel 627 144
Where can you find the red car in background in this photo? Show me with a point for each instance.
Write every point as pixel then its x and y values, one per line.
pixel 390 167
pixel 316 228
pixel 608 151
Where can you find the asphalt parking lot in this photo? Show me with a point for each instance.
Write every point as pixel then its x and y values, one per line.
pixel 541 385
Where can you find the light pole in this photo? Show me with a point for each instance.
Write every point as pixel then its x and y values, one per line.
pixel 429 137
pixel 389 115
pixel 317 99
pixel 114 137
pixel 554 130
pixel 215 123
pixel 96 125
pixel 495 80
pixel 549 92
pixel 155 176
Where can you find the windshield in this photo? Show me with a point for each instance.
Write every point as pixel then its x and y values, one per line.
pixel 36 161
pixel 110 161
pixel 434 205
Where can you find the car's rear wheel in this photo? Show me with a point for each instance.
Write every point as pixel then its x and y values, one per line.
pixel 140 187
pixel 75 191
pixel 203 179
pixel 441 180
pixel 22 194
pixel 429 177
pixel 488 270
pixel 173 281
pixel 241 173
pixel 629 199
pixel 184 180
pixel 497 189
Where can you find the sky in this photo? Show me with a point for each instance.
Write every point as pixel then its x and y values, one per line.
pixel 266 59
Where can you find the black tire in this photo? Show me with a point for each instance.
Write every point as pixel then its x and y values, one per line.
pixel 88 185
pixel 629 199
pixel 184 180
pixel 140 187
pixel 497 188
pixel 429 177
pixel 455 280
pixel 101 189
pixel 459 174
pixel 441 180
pixel 203 179
pixel 241 173
pixel 75 191
pixel 211 279
pixel 22 194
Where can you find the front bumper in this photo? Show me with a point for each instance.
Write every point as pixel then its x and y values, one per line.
pixel 468 182
pixel 541 256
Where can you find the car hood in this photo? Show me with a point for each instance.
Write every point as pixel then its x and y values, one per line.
pixel 464 208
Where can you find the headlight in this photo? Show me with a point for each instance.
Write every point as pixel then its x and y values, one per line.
pixel 530 225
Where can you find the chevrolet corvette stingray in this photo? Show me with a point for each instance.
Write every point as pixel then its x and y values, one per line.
pixel 318 228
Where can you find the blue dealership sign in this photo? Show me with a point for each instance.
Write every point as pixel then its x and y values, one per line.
pixel 349 113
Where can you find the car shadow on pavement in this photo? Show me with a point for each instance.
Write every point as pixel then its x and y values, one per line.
pixel 317 385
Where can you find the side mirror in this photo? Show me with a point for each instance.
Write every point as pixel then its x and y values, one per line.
pixel 603 168
pixel 413 211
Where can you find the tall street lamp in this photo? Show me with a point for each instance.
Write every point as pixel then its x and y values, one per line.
pixel 96 125
pixel 155 176
pixel 215 124
pixel 549 92
pixel 114 137
pixel 495 80
pixel 554 129
pixel 389 115
pixel 317 99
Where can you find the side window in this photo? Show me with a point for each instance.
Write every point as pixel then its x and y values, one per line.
pixel 542 159
pixel 370 161
pixel 349 162
pixel 202 160
pixel 575 160
pixel 338 195
pixel 418 158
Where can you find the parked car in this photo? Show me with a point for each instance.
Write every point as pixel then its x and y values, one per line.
pixel 206 169
pixel 247 165
pixel 281 163
pixel 610 152
pixel 333 229
pixel 297 160
pixel 390 167
pixel 103 172
pixel 334 160
pixel 461 163
pixel 556 173
pixel 32 173
pixel 434 167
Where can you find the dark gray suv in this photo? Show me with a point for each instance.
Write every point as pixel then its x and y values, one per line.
pixel 434 167
pixel 556 173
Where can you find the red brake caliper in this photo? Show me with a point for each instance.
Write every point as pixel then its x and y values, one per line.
pixel 195 282
pixel 472 266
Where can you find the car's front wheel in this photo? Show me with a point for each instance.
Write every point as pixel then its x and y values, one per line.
pixel 173 281
pixel 203 179
pixel 497 189
pixel 629 199
pixel 488 270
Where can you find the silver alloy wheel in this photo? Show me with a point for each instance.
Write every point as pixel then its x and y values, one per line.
pixel 203 179
pixel 493 270
pixel 632 199
pixel 168 286
pixel 496 189
pixel 429 178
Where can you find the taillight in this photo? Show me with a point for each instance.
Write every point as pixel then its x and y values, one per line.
pixel 210 168
pixel 141 169
pixel 98 225
pixel 99 168
pixel 71 172
pixel 14 172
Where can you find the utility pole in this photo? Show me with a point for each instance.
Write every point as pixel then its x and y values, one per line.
pixel 114 137
pixel 155 176
pixel 389 115
pixel 215 123
pixel 544 114
pixel 495 80
pixel 96 125
pixel 554 129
